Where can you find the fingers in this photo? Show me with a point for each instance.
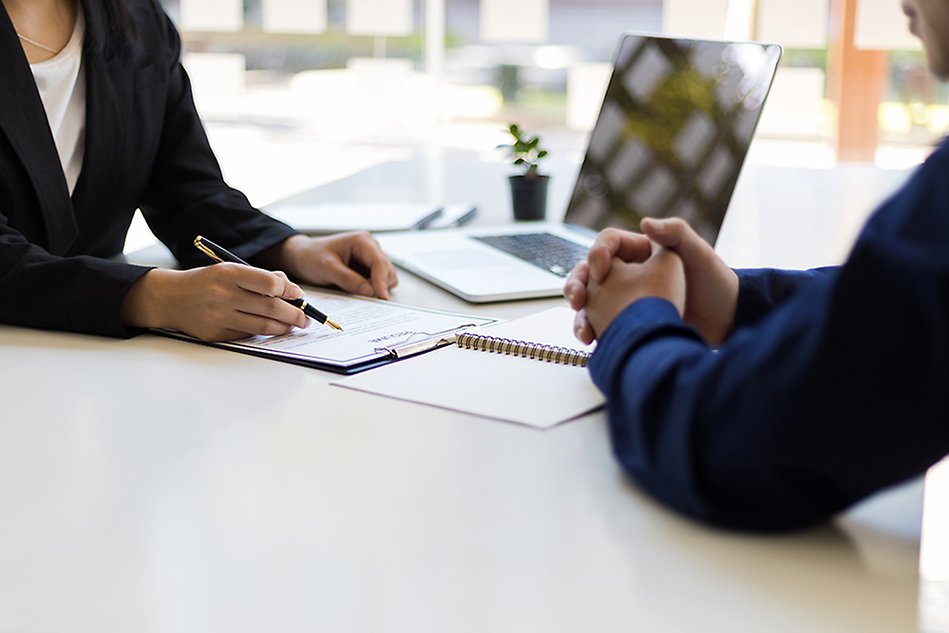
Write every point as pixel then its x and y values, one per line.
pixel 676 234
pixel 262 282
pixel 252 300
pixel 575 288
pixel 610 243
pixel 582 328
pixel 382 274
pixel 348 279
pixel 270 315
pixel 214 303
pixel 353 262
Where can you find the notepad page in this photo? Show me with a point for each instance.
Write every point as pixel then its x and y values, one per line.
pixel 493 385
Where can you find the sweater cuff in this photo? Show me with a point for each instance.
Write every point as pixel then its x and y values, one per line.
pixel 640 322
pixel 753 301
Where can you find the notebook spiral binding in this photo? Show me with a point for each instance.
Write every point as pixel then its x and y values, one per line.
pixel 534 351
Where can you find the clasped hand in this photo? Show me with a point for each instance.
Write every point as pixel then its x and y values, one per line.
pixel 669 261
pixel 230 301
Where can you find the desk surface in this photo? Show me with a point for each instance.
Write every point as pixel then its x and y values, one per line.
pixel 155 485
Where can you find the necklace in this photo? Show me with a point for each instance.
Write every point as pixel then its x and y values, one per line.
pixel 38 45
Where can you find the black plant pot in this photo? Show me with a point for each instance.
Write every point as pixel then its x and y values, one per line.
pixel 529 197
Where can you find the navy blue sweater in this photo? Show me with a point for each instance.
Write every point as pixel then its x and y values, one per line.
pixel 833 385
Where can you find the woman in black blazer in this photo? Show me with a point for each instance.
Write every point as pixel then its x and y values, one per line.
pixel 142 145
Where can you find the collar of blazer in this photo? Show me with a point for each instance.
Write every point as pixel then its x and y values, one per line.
pixel 23 121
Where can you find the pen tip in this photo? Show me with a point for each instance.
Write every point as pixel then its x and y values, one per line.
pixel 333 324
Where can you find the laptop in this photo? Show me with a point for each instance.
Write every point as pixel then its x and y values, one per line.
pixel 672 134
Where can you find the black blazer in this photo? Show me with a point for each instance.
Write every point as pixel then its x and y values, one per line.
pixel 145 148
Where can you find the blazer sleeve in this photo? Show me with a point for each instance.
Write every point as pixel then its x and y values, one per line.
pixel 78 294
pixel 839 392
pixel 186 194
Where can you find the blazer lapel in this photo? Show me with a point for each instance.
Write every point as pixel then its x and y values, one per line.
pixel 23 121
pixel 109 87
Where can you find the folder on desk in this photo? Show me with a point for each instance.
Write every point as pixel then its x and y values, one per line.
pixel 325 218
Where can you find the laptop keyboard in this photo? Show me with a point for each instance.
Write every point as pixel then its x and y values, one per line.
pixel 545 250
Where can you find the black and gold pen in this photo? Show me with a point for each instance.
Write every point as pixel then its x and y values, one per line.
pixel 221 254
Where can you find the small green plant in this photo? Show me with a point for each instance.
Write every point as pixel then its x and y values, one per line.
pixel 525 151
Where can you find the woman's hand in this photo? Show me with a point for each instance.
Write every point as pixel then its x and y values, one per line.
pixel 352 261
pixel 216 303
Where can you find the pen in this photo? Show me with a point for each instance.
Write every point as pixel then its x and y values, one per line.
pixel 220 254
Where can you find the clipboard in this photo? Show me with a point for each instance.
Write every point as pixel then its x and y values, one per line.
pixel 375 333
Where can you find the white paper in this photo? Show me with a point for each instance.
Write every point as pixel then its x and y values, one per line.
pixel 379 17
pixel 518 21
pixel 294 16
pixel 332 217
pixel 212 15
pixel 491 385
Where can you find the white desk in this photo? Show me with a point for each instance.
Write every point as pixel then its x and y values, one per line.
pixel 154 485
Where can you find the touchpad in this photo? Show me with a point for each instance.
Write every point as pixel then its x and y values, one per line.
pixel 460 258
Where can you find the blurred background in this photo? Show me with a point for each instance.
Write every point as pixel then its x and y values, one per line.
pixel 313 89
pixel 296 94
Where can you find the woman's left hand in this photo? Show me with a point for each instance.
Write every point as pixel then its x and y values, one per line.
pixel 352 261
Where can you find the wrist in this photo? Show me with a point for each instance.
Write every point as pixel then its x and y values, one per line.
pixel 146 304
pixel 283 256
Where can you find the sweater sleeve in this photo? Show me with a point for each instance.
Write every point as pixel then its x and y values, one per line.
pixel 840 391
pixel 761 290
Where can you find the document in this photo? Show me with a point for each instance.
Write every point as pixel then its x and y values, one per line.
pixel 496 385
pixel 374 332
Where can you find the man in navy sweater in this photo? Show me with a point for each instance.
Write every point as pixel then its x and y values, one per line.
pixel 768 399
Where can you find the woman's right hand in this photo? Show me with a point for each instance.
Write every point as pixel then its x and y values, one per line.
pixel 216 303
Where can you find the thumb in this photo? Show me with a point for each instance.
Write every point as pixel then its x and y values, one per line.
pixel 675 234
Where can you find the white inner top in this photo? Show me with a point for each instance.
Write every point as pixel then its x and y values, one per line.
pixel 62 86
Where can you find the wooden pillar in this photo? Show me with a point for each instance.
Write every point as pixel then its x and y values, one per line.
pixel 856 81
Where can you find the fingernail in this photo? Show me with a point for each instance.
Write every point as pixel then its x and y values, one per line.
pixel 295 292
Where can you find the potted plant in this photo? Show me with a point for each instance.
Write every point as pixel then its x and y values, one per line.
pixel 529 188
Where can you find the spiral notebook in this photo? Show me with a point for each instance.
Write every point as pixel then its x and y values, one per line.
pixel 528 371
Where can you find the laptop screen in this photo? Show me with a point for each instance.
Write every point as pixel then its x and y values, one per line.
pixel 675 126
